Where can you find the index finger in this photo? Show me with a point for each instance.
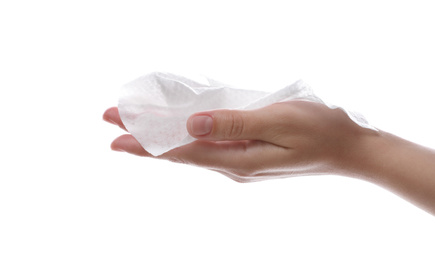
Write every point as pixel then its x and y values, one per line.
pixel 111 115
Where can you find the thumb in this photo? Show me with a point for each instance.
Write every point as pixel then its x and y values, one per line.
pixel 220 125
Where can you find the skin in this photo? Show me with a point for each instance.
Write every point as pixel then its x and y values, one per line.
pixel 298 138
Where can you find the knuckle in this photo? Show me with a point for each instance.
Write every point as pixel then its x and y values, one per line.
pixel 235 126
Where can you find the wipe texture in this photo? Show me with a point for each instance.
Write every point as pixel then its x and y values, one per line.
pixel 154 108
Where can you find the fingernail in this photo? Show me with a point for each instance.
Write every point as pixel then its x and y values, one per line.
pixel 201 125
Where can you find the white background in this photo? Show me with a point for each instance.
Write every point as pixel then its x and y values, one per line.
pixel 65 195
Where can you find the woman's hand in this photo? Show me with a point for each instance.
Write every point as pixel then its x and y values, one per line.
pixel 299 138
pixel 281 140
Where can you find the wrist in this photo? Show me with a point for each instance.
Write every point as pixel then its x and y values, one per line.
pixel 362 155
pixel 403 167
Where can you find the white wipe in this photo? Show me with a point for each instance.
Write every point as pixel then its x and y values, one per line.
pixel 154 108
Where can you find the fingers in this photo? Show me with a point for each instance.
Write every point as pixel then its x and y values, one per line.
pixel 242 156
pixel 112 116
pixel 239 159
pixel 229 125
pixel 222 125
pixel 127 143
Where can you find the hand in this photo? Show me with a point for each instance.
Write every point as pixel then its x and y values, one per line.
pixel 299 138
pixel 281 140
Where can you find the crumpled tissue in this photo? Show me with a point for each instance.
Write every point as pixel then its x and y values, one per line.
pixel 154 108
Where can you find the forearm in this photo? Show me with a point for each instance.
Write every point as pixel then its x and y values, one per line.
pixel 403 167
